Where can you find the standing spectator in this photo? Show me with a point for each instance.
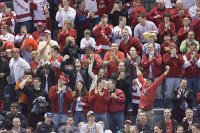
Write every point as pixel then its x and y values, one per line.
pixel 175 61
pixel 165 45
pixel 185 45
pixel 192 68
pixel 60 97
pixel 23 14
pixel 36 95
pixel 87 40
pixel 157 128
pixel 14 113
pixel 148 93
pixel 81 104
pixel 47 126
pixel 17 126
pixel 143 124
pixel 188 120
pixel 182 99
pixel 193 10
pixel 69 128
pixel 128 42
pixel 112 58
pixel 178 14
pixel 152 65
pixel 5 35
pixel 142 27
pixel 2 9
pixel 91 126
pixel 5 49
pixel 117 30
pixel 39 14
pixel 116 12
pixel 187 4
pixel 65 13
pixel 166 27
pixel 102 33
pixel 20 37
pixel 138 8
pixel 195 128
pixel 195 26
pixel 116 106
pixel 179 129
pixel 156 14
pixel 38 35
pixel 168 124
pixel 67 30
pixel 99 99
pixel 82 20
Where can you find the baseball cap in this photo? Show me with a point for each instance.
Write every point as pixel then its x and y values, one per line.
pixel 40 24
pixel 150 78
pixel 90 113
pixel 15 50
pixel 48 114
pixel 47 31
pixel 2 4
pixel 104 16
pixel 128 121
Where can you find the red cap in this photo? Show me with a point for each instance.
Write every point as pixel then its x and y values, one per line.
pixel 2 5
pixel 15 50
pixel 47 31
pixel 128 121
pixel 63 77
pixel 105 16
pixel 40 24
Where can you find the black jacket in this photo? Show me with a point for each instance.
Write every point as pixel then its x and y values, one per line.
pixel 4 68
pixel 162 124
pixel 185 125
pixel 197 114
pixel 44 128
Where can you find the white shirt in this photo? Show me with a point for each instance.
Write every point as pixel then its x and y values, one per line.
pixel 91 5
pixel 117 34
pixel 62 15
pixel 193 11
pixel 85 42
pixel 20 38
pixel 39 13
pixel 91 129
pixel 8 37
pixel 188 3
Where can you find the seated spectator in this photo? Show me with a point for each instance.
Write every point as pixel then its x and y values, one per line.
pixel 47 126
pixel 102 33
pixel 87 40
pixel 191 66
pixel 143 125
pixel 126 128
pixel 138 8
pixel 38 35
pixel 182 99
pixel 167 123
pixel 67 30
pixel 165 45
pixel 116 12
pixel 167 27
pixel 184 48
pixel 128 42
pixel 193 10
pixel 17 126
pixel 117 30
pixel 142 27
pixel 152 65
pixel 60 97
pixel 65 12
pixel 91 125
pixel 183 31
pixel 152 38
pixel 188 120
pixel 179 129
pixel 112 58
pixel 157 129
pixel 195 127
pixel 5 35
pixel 81 104
pixel 156 14
pixel 195 26
pixel 14 113
pixel 69 126
pixel 44 47
pixel 178 14
pixel 29 130
pixel 175 61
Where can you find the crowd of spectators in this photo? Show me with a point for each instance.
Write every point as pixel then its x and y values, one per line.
pixel 94 66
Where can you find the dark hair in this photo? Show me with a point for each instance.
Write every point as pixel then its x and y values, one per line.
pixel 83 90
pixel 37 78
pixel 15 104
pixel 113 81
pixel 1 43
pixel 142 15
pixel 121 17
pixel 197 125
pixel 99 80
pixel 178 127
pixel 158 125
pixel 167 15
pixel 56 48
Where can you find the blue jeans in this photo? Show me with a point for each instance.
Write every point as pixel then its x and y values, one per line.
pixel 102 117
pixel 193 84
pixel 79 117
pixel 116 121
pixel 59 118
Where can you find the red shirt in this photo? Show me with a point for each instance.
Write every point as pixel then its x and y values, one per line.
pixel 148 94
pixel 57 70
pixel 196 28
pixel 168 127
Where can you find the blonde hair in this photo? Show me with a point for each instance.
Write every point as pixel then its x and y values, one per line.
pixel 69 23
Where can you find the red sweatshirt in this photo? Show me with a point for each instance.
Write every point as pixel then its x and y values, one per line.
pixel 196 28
pixel 99 103
pixel 148 94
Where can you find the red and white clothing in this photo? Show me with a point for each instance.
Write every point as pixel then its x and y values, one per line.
pixel 7 37
pixel 136 92
pixel 9 19
pixel 22 10
pixel 87 42
pixel 38 11
pixel 56 66
pixel 103 35
pixel 63 15
pixel 19 38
